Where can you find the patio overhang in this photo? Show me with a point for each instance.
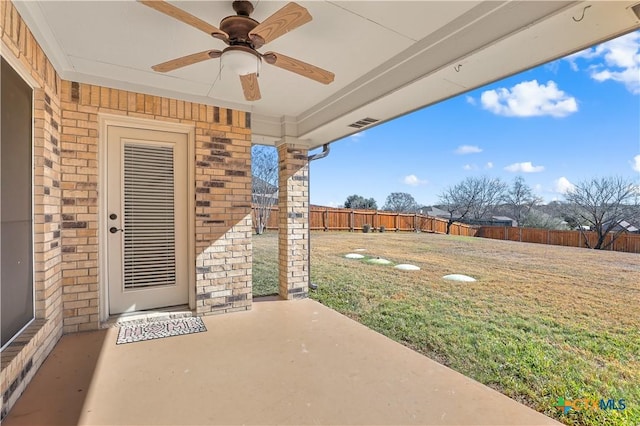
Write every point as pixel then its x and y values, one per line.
pixel 389 58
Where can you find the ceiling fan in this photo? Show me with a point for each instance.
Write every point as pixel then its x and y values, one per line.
pixel 244 36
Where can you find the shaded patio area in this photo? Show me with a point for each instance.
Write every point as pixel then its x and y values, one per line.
pixel 280 363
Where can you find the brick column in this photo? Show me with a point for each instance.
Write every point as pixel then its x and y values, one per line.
pixel 293 221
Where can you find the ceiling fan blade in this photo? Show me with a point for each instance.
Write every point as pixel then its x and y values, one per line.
pixel 186 17
pixel 299 67
pixel 250 87
pixel 186 60
pixel 284 20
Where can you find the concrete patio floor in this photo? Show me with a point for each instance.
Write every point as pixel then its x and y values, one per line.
pixel 281 363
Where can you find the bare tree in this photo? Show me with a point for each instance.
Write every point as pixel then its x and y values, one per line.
pixel 264 184
pixel 359 202
pixel 473 197
pixel 490 193
pixel 458 200
pixel 602 204
pixel 520 199
pixel 400 202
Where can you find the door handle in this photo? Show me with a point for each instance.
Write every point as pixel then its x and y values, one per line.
pixel 113 230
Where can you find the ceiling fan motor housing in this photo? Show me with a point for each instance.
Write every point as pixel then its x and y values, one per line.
pixel 239 26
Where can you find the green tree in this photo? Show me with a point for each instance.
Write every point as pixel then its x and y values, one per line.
pixel 400 202
pixel 538 219
pixel 359 202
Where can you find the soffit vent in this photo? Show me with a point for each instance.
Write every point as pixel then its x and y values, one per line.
pixel 363 123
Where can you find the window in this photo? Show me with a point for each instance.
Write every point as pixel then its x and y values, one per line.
pixel 16 232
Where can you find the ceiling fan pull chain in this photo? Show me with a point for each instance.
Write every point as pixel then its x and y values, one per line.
pixel 258 66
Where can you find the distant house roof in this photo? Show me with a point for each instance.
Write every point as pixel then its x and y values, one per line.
pixel 624 226
pixel 262 186
pixel 629 227
pixel 436 212
pixel 506 219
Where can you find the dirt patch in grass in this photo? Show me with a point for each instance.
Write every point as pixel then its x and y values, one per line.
pixel 541 322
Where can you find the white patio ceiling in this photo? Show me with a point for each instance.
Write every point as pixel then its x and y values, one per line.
pixel 389 57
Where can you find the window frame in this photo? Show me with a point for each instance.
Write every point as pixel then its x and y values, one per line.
pixel 26 77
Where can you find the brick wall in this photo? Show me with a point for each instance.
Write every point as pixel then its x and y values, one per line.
pixel 293 221
pixel 21 359
pixel 223 213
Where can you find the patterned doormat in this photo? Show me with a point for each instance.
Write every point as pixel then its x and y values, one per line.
pixel 131 333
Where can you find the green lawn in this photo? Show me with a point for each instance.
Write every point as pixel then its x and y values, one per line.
pixel 541 322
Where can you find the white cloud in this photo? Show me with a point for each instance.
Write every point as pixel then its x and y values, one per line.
pixel 333 204
pixel 529 99
pixel 617 60
pixel 470 167
pixel 471 100
pixel 562 185
pixel 489 165
pixel 357 136
pixel 553 66
pixel 413 180
pixel 583 54
pixel 635 164
pixel 467 149
pixel 525 167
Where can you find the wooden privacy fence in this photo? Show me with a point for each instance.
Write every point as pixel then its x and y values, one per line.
pixel 627 242
pixel 335 219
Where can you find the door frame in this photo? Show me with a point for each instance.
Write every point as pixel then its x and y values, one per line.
pixel 109 120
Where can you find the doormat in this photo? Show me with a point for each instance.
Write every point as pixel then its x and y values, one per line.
pixel 158 329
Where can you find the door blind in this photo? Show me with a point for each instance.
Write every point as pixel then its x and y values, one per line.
pixel 149 216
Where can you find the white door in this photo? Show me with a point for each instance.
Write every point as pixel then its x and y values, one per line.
pixel 146 219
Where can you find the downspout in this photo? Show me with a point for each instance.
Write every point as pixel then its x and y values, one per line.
pixel 318 156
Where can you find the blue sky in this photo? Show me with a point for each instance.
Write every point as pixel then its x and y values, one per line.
pixel 555 125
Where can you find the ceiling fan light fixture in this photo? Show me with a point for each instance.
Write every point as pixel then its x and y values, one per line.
pixel 240 62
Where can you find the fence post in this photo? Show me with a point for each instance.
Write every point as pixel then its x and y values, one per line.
pixel 325 219
pixel 351 221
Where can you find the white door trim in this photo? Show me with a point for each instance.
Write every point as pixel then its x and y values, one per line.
pixel 18 66
pixel 104 122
